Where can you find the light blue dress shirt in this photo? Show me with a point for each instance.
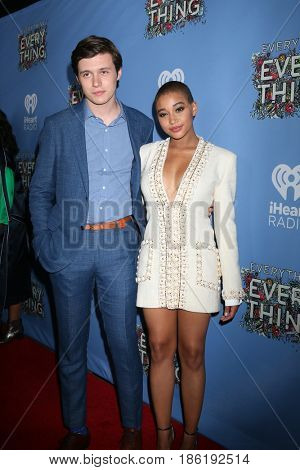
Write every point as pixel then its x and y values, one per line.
pixel 109 159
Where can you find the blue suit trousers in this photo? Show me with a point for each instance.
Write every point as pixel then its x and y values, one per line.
pixel 105 263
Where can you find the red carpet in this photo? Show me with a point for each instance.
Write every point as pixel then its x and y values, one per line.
pixel 30 405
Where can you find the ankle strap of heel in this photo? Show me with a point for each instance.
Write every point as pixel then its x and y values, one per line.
pixel 190 433
pixel 165 429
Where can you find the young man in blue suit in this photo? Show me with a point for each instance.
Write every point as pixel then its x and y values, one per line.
pixel 87 217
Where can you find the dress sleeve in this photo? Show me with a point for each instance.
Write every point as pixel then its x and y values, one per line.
pixel 10 183
pixel 225 229
pixel 10 186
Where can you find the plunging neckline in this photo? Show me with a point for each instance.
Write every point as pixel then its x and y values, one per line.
pixel 167 143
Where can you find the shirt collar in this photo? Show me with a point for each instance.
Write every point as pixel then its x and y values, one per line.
pixel 89 114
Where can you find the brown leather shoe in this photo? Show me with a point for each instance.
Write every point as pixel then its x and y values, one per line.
pixel 74 441
pixel 131 439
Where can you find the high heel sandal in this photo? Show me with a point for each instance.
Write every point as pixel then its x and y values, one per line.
pixel 171 434
pixel 195 442
pixel 14 330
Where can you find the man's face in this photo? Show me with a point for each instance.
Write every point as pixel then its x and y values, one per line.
pixel 98 78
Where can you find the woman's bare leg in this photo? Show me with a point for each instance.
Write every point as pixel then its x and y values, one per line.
pixel 162 331
pixel 14 312
pixel 192 329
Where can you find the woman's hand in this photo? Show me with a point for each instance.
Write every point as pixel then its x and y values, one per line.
pixel 229 313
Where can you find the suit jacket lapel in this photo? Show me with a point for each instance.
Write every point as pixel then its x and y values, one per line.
pixel 134 131
pixel 77 133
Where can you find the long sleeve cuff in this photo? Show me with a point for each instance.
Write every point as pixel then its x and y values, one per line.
pixel 231 302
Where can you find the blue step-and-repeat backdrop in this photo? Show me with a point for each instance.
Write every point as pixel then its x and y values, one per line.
pixel 242 62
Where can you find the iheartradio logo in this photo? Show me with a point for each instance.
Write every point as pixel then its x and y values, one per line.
pixel 30 103
pixel 284 177
pixel 166 76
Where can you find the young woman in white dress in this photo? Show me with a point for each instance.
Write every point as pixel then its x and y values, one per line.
pixel 183 257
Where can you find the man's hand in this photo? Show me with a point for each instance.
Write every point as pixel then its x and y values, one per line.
pixel 229 313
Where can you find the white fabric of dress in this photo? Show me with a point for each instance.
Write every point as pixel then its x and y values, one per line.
pixel 184 254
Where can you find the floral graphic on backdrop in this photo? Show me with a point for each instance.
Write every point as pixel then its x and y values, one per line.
pixel 273 307
pixel 167 16
pixel 32 46
pixel 277 80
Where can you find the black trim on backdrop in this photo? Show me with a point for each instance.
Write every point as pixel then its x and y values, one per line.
pixel 10 6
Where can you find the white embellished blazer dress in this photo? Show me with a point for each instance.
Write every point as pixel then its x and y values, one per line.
pixel 184 262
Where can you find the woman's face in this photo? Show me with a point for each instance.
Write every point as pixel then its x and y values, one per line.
pixel 175 114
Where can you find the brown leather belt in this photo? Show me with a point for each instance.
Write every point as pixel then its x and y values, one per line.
pixel 120 223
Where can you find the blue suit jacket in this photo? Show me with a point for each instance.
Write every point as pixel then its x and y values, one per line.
pixel 59 191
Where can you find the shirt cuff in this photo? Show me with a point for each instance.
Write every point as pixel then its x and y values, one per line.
pixel 232 302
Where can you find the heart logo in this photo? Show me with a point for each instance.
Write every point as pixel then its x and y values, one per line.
pixel 30 103
pixel 284 177
pixel 166 76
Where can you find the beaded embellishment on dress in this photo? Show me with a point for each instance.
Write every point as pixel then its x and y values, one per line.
pixel 172 222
